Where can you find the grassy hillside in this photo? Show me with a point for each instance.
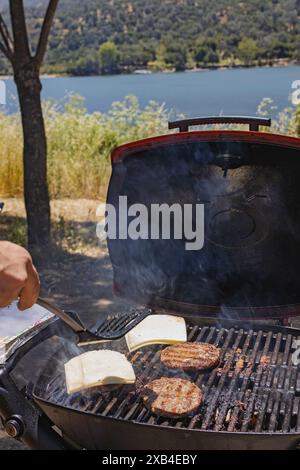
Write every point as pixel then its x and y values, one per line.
pixel 166 33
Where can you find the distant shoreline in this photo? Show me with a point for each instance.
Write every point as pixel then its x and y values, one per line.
pixel 278 64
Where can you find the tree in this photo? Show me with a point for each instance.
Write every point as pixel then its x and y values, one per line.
pixel 205 52
pixel 159 63
pixel 247 50
pixel 176 57
pixel 109 58
pixel 160 58
pixel 134 55
pixel 86 65
pixel 26 69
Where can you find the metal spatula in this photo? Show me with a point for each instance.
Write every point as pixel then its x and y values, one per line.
pixel 109 329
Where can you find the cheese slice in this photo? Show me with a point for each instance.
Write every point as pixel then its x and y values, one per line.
pixel 96 368
pixel 157 329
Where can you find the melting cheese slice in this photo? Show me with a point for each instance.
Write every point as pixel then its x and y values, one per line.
pixel 95 368
pixel 157 329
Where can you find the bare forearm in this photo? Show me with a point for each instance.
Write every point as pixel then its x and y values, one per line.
pixel 18 276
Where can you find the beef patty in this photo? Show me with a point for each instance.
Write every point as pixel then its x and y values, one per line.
pixel 171 397
pixel 190 356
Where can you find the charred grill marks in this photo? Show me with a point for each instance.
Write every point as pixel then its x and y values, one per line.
pixel 172 397
pixel 190 356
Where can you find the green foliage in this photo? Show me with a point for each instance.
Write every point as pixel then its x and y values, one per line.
pixel 247 50
pixel 85 66
pixel 205 52
pixel 108 58
pixel 207 31
pixel 160 58
pixel 176 57
pixel 286 120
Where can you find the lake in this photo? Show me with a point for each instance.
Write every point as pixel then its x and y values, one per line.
pixel 231 91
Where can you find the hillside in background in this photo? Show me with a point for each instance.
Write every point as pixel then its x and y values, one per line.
pixel 111 36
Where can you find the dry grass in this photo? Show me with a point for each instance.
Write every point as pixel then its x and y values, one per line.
pixel 79 145
pixel 11 141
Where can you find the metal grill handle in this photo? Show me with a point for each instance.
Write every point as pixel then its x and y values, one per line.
pixel 253 122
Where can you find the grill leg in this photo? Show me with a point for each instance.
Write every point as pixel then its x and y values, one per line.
pixel 45 439
pixel 23 421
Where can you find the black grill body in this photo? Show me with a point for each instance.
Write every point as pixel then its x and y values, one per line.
pixel 97 433
pixel 248 404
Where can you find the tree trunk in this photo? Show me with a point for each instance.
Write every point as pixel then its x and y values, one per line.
pixel 35 155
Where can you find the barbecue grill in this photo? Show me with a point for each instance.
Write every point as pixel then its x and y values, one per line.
pixel 246 272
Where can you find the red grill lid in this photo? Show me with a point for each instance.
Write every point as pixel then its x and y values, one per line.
pixel 248 183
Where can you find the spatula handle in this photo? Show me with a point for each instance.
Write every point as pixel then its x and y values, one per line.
pixel 73 323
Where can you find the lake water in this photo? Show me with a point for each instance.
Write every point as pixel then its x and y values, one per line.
pixel 236 91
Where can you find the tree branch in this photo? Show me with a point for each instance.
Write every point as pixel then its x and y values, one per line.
pixel 7 45
pixel 43 40
pixel 4 51
pixel 18 22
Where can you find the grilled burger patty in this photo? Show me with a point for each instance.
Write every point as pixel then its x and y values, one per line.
pixel 171 397
pixel 190 356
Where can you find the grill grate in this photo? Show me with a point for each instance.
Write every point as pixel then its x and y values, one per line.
pixel 255 388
